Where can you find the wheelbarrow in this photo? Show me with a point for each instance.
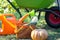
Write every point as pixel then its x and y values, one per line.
pixel 52 15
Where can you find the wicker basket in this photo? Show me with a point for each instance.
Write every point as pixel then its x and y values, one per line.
pixel 24 32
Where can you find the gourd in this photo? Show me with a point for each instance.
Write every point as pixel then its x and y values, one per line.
pixel 39 34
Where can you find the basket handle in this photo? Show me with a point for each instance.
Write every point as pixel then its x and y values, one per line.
pixel 23 26
pixel 17 9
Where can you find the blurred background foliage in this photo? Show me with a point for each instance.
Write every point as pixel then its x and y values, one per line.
pixel 5 7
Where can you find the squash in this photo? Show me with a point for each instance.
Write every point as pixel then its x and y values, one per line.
pixel 39 34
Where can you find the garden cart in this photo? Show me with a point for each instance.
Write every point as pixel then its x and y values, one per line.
pixel 52 15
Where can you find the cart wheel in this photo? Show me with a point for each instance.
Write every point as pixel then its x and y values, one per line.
pixel 51 19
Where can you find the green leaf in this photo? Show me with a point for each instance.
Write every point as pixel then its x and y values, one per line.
pixel 32 13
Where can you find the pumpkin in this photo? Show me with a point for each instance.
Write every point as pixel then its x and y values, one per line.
pixel 39 34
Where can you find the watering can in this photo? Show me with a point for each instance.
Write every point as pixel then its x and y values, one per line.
pixel 8 24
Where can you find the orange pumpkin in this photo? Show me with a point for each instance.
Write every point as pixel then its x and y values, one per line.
pixel 39 34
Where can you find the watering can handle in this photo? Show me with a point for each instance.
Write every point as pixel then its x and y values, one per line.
pixel 9 15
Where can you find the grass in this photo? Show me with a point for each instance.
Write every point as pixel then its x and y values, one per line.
pixel 54 34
